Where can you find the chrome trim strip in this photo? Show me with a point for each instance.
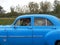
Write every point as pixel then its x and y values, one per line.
pixel 37 36
pixel 34 36
pixel 3 36
pixel 20 36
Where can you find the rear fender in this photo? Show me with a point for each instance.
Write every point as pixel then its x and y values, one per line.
pixel 52 37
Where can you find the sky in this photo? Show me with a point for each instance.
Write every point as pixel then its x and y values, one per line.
pixel 6 4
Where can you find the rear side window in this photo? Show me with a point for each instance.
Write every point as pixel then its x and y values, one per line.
pixel 42 22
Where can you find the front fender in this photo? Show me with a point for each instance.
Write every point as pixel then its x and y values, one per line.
pixel 52 37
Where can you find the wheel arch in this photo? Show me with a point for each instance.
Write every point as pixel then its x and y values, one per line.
pixel 52 37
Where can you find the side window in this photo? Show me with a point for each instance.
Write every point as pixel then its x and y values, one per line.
pixel 49 23
pixel 42 22
pixel 23 22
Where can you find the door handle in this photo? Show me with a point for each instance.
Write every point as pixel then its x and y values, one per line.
pixel 4 40
pixel 30 27
pixel 39 36
pixel 54 28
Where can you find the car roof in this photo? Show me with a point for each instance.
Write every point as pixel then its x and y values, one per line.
pixel 51 17
pixel 36 15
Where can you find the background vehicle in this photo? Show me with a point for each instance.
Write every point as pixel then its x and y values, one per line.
pixel 32 29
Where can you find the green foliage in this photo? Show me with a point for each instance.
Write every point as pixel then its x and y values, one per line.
pixel 33 7
pixel 2 11
pixel 1 8
pixel 6 21
pixel 45 6
pixel 57 7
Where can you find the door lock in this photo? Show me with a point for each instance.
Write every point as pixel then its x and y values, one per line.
pixel 4 40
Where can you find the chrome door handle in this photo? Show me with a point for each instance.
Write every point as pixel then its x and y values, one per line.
pixel 4 40
pixel 53 28
pixel 39 36
pixel 30 27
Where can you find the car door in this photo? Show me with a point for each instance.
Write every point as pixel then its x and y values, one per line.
pixel 41 27
pixel 21 33
pixel 3 36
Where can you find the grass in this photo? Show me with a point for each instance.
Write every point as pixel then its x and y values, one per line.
pixel 6 21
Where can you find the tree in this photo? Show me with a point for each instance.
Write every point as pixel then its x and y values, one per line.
pixel 12 13
pixel 33 7
pixel 1 8
pixel 18 9
pixel 25 9
pixel 57 7
pixel 45 7
pixel 12 9
pixel 2 11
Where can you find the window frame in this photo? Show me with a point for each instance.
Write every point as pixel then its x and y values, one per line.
pixel 46 19
pixel 22 18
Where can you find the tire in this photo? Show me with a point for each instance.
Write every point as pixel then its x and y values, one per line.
pixel 57 42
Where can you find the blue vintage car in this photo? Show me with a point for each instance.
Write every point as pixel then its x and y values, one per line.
pixel 32 29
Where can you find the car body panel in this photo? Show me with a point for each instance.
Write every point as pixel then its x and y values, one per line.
pixel 31 35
